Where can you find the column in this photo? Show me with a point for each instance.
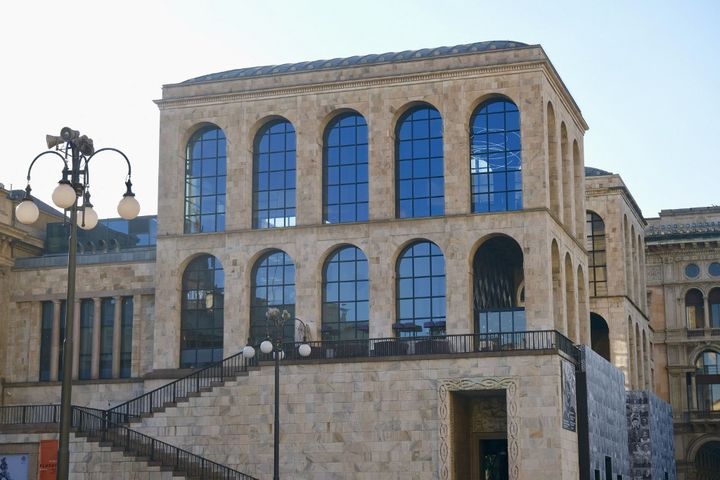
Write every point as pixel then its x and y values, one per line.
pixel 95 358
pixel 55 342
pixel 693 393
pixel 76 341
pixel 117 337
pixel 706 312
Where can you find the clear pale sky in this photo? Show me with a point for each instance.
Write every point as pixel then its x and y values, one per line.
pixel 646 75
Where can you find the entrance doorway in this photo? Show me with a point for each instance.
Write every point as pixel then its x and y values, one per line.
pixel 493 459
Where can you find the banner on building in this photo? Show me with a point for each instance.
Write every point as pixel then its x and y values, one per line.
pixel 569 397
pixel 14 467
pixel 47 462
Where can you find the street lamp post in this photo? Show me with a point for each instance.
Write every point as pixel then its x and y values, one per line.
pixel 274 344
pixel 75 151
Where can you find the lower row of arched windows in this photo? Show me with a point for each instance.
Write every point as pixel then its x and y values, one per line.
pixel 419 286
pixel 701 312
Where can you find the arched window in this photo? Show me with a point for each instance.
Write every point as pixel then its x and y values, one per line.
pixel 420 189
pixel 600 335
pixel 714 305
pixel 597 261
pixel 706 375
pixel 495 157
pixel 694 309
pixel 201 328
pixel 345 312
pixel 345 179
pixel 497 283
pixel 205 172
pixel 274 175
pixel 273 286
pixel 420 290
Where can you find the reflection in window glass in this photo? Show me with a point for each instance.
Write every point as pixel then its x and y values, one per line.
pixel 345 295
pixel 107 323
pixel 86 334
pixel 694 309
pixel 202 319
pixel 273 286
pixel 714 269
pixel 274 176
pixel 597 261
pixel 46 340
pixel 708 387
pixel 126 324
pixel 714 305
pixel 420 290
pixel 692 270
pixel 205 172
pixel 346 170
pixel 495 157
pixel 420 189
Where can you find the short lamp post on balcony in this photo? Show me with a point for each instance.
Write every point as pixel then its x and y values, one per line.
pixel 75 152
pixel 274 344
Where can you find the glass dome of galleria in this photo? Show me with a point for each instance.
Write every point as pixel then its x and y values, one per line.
pixel 373 59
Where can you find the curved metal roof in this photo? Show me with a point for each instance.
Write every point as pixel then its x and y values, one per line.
pixel 596 172
pixel 372 59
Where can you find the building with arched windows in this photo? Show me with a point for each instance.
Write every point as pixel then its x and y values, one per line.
pixel 428 217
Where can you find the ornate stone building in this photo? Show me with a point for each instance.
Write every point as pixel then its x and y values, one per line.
pixel 683 271
pixel 423 212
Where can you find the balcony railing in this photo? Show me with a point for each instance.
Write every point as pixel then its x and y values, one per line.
pixel 527 341
pixel 29 414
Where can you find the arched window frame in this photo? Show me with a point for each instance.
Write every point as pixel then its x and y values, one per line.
pixel 274 175
pixel 202 312
pixel 419 163
pixel 714 306
pixel 345 169
pixel 345 314
pixel 595 243
pixel 272 286
pixel 496 157
pixel 707 370
pixel 205 181
pixel 694 309
pixel 420 290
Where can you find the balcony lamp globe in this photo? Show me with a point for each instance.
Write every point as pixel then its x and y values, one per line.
pixel 27 212
pixel 87 218
pixel 64 195
pixel 266 346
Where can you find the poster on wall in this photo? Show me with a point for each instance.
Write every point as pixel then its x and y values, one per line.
pixel 47 461
pixel 569 399
pixel 14 467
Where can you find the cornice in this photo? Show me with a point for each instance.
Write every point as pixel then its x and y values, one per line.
pixel 310 88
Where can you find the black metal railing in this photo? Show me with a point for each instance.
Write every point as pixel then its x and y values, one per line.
pixel 526 341
pixel 180 389
pixel 29 414
pixel 97 426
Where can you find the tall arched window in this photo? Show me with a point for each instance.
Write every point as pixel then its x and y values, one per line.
pixel 205 172
pixel 274 175
pixel 600 335
pixel 420 290
pixel 495 157
pixel 202 317
pixel 714 306
pixel 273 286
pixel 497 285
pixel 345 178
pixel 706 375
pixel 597 261
pixel 345 312
pixel 420 189
pixel 694 309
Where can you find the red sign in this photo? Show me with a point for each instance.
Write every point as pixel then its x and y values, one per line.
pixel 47 462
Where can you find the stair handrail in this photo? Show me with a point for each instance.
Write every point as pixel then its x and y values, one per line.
pixel 181 388
pixel 96 423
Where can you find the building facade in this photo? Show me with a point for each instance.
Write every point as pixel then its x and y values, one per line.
pixel 426 214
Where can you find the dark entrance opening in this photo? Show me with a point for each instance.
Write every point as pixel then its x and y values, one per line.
pixel 493 456
pixel 599 336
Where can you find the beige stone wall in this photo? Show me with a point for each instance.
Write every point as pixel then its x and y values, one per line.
pixel 28 288
pixel 88 460
pixel 310 101
pixel 373 419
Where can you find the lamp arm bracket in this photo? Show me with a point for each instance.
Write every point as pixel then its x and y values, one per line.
pixel 45 153
pixel 111 149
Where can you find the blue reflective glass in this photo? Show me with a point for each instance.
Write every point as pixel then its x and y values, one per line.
pixel 275 153
pixel 345 145
pixel 205 173
pixel 345 295
pixel 420 290
pixel 202 311
pixel 275 271
pixel 501 120
pixel 419 157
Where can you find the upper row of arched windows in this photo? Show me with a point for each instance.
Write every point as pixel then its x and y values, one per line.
pixel 495 164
